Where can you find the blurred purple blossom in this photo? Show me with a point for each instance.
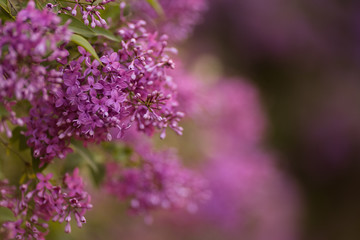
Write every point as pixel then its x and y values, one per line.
pixel 155 180
pixel 180 16
pixel 45 202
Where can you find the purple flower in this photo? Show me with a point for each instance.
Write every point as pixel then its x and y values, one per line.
pixel 156 181
pixel 180 16
pixel 89 11
pixel 115 100
pixel 28 42
pixel 44 181
pixel 112 61
pixel 48 202
pixel 92 67
pixel 92 86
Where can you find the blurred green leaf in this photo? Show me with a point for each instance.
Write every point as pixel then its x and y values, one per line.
pixel 77 26
pixel 112 12
pixel 97 2
pixel 5 13
pixel 157 7
pixel 85 154
pixel 19 137
pixel 99 31
pixel 79 40
pixel 22 108
pixel 15 6
pixel 98 176
pixel 5 16
pixel 3 4
pixel 40 4
pixel 36 165
pixel 3 111
pixel 6 215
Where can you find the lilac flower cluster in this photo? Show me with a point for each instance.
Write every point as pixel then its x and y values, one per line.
pixel 247 186
pixel 26 45
pixel 155 180
pixel 128 86
pixel 188 90
pixel 180 16
pixel 43 202
pixel 70 95
pixel 88 9
pixel 249 189
pixel 232 109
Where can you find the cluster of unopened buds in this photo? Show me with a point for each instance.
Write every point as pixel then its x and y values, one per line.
pixel 88 10
pixel 40 201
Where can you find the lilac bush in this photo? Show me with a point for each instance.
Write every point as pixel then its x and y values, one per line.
pixel 64 87
pixel 85 85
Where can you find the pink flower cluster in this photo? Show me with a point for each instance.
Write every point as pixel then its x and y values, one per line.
pixel 41 202
pixel 248 188
pixel 155 180
pixel 25 45
pixel 129 87
pixel 180 16
pixel 88 10
pixel 232 109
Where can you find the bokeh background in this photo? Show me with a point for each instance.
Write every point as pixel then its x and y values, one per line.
pixel 303 55
pixel 291 168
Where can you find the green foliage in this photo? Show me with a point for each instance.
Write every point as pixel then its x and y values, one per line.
pixel 80 28
pixel 22 108
pixel 99 175
pixel 36 165
pixel 112 12
pixel 77 26
pixel 6 215
pixel 5 13
pixel 40 4
pixel 15 6
pixel 19 139
pixel 79 40
pixel 157 7
pixel 3 111
pixel 99 31
pixel 97 2
pixel 87 157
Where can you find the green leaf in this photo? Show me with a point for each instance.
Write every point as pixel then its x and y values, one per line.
pixel 99 31
pixel 77 26
pixel 99 175
pixel 5 16
pixel 3 111
pixel 86 155
pixel 157 7
pixel 112 12
pixel 5 8
pixel 17 136
pixel 15 6
pixel 36 165
pixel 79 40
pixel 39 5
pixel 3 4
pixel 6 215
pixel 97 2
